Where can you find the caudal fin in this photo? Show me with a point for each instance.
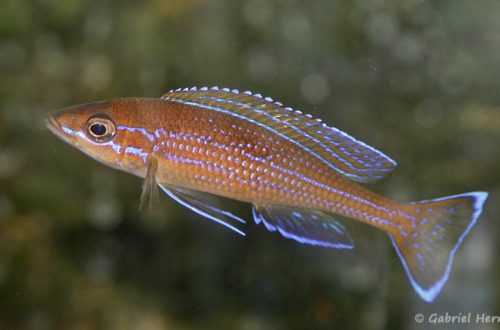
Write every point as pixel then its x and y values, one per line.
pixel 427 247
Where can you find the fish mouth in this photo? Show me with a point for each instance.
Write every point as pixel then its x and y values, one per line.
pixel 53 125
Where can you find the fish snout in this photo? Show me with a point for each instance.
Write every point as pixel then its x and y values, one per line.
pixel 52 124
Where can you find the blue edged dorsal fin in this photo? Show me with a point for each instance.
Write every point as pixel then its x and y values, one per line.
pixel 201 204
pixel 304 225
pixel 340 151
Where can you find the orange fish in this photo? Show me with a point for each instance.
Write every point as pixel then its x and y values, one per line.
pixel 295 170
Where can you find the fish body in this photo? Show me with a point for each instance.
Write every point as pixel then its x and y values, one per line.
pixel 295 170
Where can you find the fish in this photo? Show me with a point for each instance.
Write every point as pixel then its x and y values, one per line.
pixel 297 172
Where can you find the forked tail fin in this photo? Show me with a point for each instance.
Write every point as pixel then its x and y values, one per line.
pixel 427 246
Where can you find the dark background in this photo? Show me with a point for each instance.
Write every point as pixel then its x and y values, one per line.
pixel 419 80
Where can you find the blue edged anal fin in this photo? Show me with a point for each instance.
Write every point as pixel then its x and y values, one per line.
pixel 304 225
pixel 202 204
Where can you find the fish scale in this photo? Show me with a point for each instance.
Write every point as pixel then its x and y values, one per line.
pixel 296 171
pixel 260 173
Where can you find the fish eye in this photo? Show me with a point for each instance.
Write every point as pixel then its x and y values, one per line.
pixel 100 128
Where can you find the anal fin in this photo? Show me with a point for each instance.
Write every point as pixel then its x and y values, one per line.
pixel 201 204
pixel 304 225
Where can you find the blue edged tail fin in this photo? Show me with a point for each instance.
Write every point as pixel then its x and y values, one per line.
pixel 427 246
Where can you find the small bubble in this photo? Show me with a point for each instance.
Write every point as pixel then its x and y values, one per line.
pixel 98 26
pixel 104 212
pixel 97 72
pixel 356 278
pixel 382 29
pixel 49 56
pixel 314 88
pixel 296 28
pixel 479 253
pixel 409 49
pixel 258 13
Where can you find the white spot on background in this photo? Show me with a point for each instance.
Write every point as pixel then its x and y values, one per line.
pixel 96 72
pixel 296 28
pixel 409 48
pixel 258 13
pixel 382 29
pixel 314 88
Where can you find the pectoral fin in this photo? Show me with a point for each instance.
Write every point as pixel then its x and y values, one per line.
pixel 304 225
pixel 202 204
pixel 149 187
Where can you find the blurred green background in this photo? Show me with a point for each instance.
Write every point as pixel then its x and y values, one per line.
pixel 419 80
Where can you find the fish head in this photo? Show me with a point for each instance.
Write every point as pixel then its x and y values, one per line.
pixel 106 131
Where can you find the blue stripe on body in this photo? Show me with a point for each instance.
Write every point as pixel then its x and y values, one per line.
pixel 344 135
pixel 333 153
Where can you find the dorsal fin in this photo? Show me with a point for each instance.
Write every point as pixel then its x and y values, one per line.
pixel 348 156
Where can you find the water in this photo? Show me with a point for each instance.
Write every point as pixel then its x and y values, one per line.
pixel 417 80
